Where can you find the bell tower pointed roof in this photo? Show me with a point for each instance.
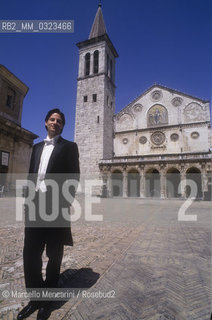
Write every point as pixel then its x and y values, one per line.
pixel 98 33
pixel 98 27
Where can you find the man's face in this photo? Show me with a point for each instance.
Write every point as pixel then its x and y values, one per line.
pixel 54 125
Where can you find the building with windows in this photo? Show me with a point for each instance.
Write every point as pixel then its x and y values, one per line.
pixel 15 141
pixel 152 147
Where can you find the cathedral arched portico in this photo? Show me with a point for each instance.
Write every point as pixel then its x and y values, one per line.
pixel 165 181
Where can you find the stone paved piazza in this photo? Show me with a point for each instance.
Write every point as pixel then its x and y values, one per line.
pixel 139 263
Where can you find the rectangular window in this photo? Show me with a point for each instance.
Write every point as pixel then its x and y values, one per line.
pixel 10 98
pixel 97 120
pixel 4 158
pixel 94 97
pixel 85 98
pixel 9 101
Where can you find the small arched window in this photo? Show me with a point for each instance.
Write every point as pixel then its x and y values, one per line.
pixel 96 62
pixel 87 63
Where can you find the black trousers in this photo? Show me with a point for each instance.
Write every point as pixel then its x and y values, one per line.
pixel 34 244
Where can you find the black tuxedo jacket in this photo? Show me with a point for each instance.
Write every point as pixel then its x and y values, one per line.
pixel 63 164
pixel 64 158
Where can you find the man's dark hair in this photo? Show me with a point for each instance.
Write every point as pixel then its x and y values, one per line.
pixel 56 110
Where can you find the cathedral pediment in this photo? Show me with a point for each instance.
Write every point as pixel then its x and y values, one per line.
pixel 160 106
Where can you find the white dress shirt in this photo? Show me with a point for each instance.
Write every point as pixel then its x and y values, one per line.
pixel 44 160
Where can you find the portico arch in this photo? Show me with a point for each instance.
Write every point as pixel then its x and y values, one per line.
pixel 194 174
pixel 117 183
pixel 172 183
pixel 133 183
pixel 152 183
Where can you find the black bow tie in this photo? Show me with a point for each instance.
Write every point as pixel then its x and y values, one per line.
pixel 49 141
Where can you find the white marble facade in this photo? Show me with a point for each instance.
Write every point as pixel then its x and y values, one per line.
pixel 162 121
pixel 162 140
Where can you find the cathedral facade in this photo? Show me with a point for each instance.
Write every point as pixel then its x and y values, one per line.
pixel 157 146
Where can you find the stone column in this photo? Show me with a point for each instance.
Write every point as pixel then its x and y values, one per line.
pixel 183 184
pixel 162 185
pixel 204 180
pixel 142 183
pixel 109 185
pixel 104 187
pixel 125 184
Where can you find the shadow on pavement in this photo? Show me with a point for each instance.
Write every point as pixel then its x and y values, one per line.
pixel 76 280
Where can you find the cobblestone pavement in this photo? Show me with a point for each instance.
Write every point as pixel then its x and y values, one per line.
pixel 139 263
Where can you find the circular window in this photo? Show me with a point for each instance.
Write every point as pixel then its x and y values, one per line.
pixel 177 101
pixel 143 140
pixel 125 141
pixel 156 95
pixel 174 137
pixel 137 108
pixel 158 137
pixel 195 135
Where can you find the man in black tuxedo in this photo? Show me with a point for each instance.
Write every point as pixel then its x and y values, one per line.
pixel 58 159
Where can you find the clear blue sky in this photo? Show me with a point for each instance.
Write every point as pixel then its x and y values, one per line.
pixel 158 41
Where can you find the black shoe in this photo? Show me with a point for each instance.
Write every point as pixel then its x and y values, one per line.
pixel 44 313
pixel 27 311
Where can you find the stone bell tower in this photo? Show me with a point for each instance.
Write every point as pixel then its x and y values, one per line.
pixel 95 97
